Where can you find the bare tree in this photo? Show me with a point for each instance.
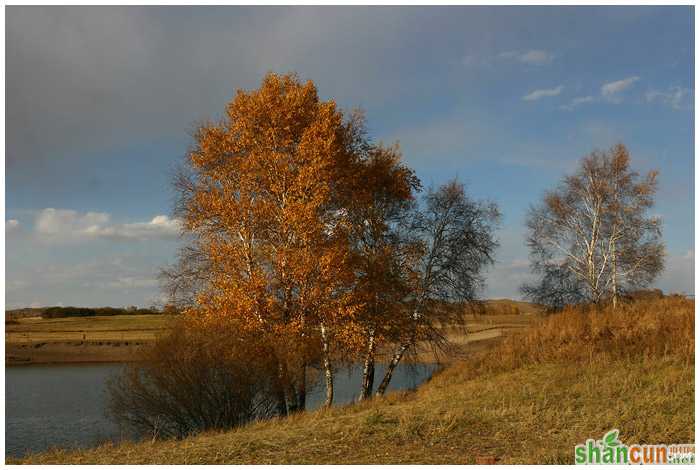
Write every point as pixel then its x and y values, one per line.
pixel 591 238
pixel 457 234
pixel 556 288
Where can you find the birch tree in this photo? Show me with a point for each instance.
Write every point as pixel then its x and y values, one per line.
pixel 591 238
pixel 384 254
pixel 260 202
pixel 458 242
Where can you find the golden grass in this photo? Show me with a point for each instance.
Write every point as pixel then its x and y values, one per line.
pixel 529 400
pixel 654 328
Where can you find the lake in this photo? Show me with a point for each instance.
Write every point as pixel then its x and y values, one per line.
pixel 64 405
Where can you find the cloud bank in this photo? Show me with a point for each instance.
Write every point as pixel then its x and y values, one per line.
pixel 70 225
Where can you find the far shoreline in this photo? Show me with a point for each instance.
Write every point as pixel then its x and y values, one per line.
pixel 121 338
pixel 112 352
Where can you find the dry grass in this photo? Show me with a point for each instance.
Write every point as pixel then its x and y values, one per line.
pixel 529 400
pixel 656 328
pixel 106 328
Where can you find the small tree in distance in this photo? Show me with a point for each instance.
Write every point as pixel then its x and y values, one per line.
pixel 591 238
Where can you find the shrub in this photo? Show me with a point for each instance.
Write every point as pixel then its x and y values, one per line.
pixel 196 379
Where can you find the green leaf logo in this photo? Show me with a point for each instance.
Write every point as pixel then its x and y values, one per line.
pixel 610 438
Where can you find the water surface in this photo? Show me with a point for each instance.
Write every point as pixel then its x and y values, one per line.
pixel 64 405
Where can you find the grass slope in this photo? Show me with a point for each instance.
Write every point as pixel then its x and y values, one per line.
pixel 529 400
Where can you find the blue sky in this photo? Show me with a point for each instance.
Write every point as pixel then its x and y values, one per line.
pixel 100 101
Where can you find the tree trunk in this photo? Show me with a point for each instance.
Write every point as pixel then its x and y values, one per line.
pixel 301 397
pixel 614 275
pixel 390 369
pixel 368 370
pixel 328 370
pixel 281 396
pixel 292 398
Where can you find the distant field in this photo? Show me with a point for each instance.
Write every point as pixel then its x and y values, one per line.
pixel 117 338
pixel 111 328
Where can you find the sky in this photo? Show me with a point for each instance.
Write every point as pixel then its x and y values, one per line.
pixel 101 102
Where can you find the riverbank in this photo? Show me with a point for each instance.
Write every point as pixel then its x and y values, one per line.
pixel 117 338
pixel 117 351
pixel 59 352
pixel 527 399
pixel 120 338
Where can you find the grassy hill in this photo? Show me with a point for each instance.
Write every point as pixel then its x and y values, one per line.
pixel 509 306
pixel 530 399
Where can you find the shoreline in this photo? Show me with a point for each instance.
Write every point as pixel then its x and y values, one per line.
pixel 122 338
pixel 72 352
pixel 105 352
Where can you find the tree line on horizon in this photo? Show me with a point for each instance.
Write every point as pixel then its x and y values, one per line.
pixel 310 248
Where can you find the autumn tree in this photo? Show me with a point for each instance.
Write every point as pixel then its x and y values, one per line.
pixel 384 255
pixel 457 240
pixel 592 238
pixel 261 198
pixel 302 231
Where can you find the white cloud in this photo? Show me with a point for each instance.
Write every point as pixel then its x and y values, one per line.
pixel 577 102
pixel 612 89
pixel 67 225
pixel 531 57
pixel 673 97
pixel 608 91
pixel 538 94
pixel 52 222
pixel 11 225
pixel 161 226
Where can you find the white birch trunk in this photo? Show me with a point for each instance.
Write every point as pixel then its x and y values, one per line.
pixel 328 370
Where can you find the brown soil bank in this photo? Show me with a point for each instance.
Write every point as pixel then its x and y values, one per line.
pixel 529 399
pixel 72 352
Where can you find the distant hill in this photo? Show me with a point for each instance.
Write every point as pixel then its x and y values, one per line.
pixel 64 312
pixel 508 306
pixel 491 307
pixel 23 313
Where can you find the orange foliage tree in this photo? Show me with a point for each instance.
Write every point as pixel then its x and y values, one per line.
pixel 262 198
pixel 304 232
pixel 385 255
